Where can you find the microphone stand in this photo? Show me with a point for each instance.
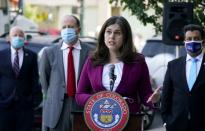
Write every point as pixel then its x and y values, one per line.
pixel 112 82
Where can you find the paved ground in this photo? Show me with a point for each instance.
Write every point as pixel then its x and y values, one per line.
pixel 157 124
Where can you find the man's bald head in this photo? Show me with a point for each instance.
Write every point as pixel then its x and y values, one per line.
pixel 72 18
pixel 16 31
pixel 70 21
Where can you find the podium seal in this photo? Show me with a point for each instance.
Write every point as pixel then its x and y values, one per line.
pixel 107 111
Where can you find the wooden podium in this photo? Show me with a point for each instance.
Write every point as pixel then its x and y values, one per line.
pixel 135 122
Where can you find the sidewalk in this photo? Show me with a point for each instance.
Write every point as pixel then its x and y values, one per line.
pixel 157 123
pixel 157 129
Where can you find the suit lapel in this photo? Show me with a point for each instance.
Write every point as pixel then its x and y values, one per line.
pixel 184 79
pixel 83 55
pixel 8 61
pixel 25 61
pixel 201 71
pixel 59 54
pixel 201 74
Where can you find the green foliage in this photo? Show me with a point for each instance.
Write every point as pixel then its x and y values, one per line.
pixel 35 13
pixel 151 11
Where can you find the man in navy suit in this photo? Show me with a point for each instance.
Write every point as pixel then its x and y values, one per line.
pixel 18 83
pixel 184 86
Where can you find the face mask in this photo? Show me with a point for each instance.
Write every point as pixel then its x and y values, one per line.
pixel 69 35
pixel 193 46
pixel 17 42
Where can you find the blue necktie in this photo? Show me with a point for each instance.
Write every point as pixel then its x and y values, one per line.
pixel 192 73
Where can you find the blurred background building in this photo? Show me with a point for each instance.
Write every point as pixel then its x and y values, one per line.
pixel 46 15
pixel 93 13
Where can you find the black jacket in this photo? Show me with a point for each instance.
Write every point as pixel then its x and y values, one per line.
pixel 179 105
pixel 19 89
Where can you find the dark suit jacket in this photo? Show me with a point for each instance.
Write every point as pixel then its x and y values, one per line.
pixel 22 88
pixel 178 102
pixel 135 83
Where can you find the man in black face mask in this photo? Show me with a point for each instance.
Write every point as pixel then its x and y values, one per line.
pixel 184 86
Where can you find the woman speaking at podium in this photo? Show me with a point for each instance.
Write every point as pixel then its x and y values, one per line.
pixel 116 66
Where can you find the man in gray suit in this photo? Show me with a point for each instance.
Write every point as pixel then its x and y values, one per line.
pixel 56 78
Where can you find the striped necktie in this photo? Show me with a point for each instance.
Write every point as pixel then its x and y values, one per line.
pixel 16 64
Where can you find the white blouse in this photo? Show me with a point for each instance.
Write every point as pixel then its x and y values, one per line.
pixel 117 71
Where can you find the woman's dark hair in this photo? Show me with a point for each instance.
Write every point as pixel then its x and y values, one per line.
pixel 192 27
pixel 127 51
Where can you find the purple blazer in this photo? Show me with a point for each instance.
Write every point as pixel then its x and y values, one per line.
pixel 135 83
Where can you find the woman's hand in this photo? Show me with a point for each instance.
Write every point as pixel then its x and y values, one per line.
pixel 154 98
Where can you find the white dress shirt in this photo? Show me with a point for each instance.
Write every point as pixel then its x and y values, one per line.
pixel 117 71
pixel 20 54
pixel 189 62
pixel 76 58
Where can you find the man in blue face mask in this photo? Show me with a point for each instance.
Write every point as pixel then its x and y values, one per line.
pixel 60 67
pixel 184 85
pixel 18 84
pixel 193 41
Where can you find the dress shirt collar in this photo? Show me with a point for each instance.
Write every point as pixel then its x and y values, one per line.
pixel 199 57
pixel 76 45
pixel 13 51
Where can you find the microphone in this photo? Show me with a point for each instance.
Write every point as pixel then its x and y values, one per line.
pixel 112 76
